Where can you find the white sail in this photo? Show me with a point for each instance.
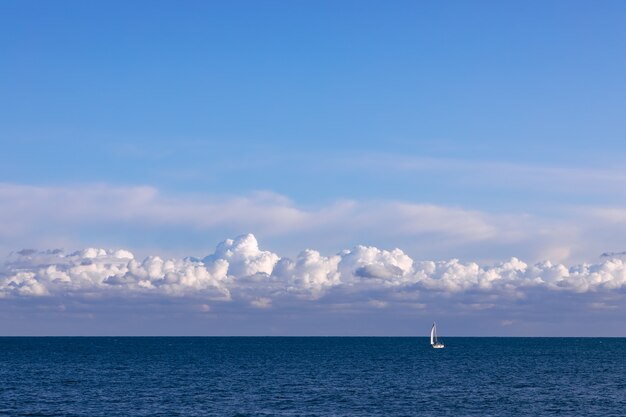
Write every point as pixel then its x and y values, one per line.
pixel 433 334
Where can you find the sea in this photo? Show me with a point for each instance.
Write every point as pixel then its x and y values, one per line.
pixel 311 376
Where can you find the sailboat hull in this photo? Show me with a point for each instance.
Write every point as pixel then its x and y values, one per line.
pixel 438 346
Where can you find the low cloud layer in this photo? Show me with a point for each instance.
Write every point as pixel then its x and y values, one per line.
pixel 239 271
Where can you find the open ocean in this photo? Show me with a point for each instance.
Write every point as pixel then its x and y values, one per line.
pixel 311 376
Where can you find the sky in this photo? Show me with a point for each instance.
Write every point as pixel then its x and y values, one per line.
pixel 312 168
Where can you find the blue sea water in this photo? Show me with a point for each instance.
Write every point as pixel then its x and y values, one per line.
pixel 311 376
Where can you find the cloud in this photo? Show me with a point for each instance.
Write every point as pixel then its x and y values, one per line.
pixel 138 216
pixel 98 272
pixel 613 254
pixel 580 179
pixel 242 288
pixel 25 208
pixel 310 274
pixel 262 302
pixel 239 271
pixel 244 256
pixel 63 216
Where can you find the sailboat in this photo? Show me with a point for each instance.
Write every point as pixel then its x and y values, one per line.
pixel 433 338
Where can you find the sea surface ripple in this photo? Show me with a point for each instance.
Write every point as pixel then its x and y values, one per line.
pixel 311 376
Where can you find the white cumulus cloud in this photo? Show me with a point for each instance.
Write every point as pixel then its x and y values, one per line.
pixel 239 270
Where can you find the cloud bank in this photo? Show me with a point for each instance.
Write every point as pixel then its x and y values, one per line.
pixel 240 272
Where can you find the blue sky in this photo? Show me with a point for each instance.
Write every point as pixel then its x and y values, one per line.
pixel 480 131
pixel 234 95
